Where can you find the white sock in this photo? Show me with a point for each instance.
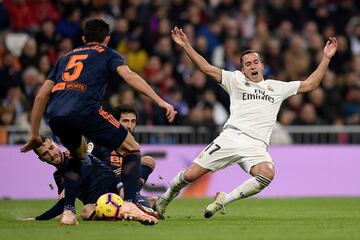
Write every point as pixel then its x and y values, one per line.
pixel 176 185
pixel 248 188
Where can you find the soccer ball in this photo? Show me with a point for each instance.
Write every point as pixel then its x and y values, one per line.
pixel 108 206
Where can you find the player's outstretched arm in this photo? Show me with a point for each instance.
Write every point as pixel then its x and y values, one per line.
pixel 315 78
pixel 134 80
pixel 37 113
pixel 129 211
pixel 181 39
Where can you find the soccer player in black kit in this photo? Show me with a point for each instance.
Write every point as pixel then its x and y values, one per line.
pixel 96 179
pixel 127 116
pixel 72 94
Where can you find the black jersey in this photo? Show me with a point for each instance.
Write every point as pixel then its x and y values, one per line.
pixel 80 78
pixel 96 179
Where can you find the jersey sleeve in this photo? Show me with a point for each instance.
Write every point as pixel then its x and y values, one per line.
pixel 290 88
pixel 52 75
pixel 54 211
pixel 114 60
pixel 230 79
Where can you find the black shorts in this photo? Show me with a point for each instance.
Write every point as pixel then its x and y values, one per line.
pixel 99 126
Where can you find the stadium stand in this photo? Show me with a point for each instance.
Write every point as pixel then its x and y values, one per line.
pixel 289 34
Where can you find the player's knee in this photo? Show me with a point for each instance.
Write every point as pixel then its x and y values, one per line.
pixel 135 146
pixel 264 169
pixel 194 172
pixel 268 172
pixel 189 176
pixel 129 145
pixel 148 161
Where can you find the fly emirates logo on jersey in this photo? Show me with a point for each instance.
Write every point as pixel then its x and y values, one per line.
pixel 258 95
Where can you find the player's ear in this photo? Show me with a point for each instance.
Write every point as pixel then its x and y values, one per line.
pixel 107 39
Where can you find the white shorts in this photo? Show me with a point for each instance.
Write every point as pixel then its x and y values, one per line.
pixel 230 147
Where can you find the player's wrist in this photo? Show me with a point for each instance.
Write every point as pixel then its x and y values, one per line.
pixel 327 57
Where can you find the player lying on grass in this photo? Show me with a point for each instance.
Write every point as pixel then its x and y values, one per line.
pixel 254 105
pixel 128 119
pixel 96 179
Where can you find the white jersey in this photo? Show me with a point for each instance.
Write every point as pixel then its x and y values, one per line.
pixel 254 106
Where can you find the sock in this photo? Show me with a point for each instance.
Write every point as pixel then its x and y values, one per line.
pixel 130 175
pixel 72 183
pixel 248 188
pixel 145 172
pixel 176 185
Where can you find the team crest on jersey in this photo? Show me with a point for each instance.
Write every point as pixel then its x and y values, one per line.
pixel 90 147
pixel 270 88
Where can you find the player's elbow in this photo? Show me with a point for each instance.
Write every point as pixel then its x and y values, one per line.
pixel 212 71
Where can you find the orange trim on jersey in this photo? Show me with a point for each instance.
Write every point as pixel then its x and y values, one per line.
pixel 109 117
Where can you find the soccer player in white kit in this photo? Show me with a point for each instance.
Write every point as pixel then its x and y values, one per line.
pixel 254 105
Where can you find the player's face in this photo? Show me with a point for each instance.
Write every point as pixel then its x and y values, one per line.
pixel 128 120
pixel 253 67
pixel 50 153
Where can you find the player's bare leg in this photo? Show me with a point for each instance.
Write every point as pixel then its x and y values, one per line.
pixel 263 174
pixel 192 173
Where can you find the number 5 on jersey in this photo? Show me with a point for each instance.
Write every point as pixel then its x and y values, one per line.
pixel 76 65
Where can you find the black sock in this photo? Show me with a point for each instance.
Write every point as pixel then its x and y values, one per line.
pixel 145 172
pixel 72 183
pixel 130 175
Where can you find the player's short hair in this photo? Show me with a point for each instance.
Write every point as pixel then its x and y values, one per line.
pixel 43 138
pixel 96 30
pixel 248 51
pixel 125 109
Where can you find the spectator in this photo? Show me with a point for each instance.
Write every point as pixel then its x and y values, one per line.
pixel 30 84
pixel 296 59
pixel 308 116
pixel 288 32
pixel 21 15
pixel 29 56
pixel 15 100
pixel 136 56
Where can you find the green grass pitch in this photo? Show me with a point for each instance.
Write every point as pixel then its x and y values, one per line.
pixel 256 218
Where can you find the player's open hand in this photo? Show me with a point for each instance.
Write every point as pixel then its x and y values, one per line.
pixel 33 142
pixel 169 109
pixel 330 47
pixel 179 36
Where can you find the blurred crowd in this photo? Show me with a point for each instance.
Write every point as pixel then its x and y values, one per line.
pixel 290 35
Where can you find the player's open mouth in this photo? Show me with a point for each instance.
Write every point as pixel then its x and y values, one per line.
pixel 254 73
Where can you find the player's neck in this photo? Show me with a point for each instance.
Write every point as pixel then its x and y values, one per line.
pixel 92 43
